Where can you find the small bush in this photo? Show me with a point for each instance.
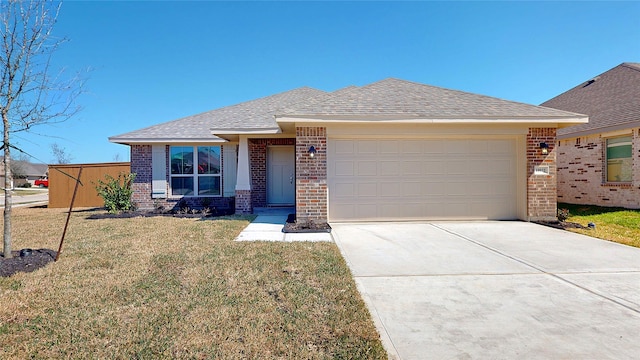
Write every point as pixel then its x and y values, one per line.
pixel 117 193
pixel 563 215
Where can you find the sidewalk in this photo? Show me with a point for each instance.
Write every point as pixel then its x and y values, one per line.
pixel 268 227
pixel 26 200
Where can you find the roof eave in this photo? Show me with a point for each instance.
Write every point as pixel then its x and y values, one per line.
pixel 265 131
pixel 600 130
pixel 560 121
pixel 134 141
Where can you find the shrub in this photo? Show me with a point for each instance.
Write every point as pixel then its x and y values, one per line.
pixel 117 193
pixel 563 214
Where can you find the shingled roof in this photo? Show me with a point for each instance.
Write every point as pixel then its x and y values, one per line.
pixel 611 99
pixel 395 98
pixel 251 115
pixel 388 99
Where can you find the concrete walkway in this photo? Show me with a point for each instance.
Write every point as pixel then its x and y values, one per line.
pixel 495 290
pixel 268 225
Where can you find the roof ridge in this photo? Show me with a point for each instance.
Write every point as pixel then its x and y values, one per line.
pixel 467 93
pixel 631 65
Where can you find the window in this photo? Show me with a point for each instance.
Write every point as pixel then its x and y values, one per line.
pixel 195 171
pixel 619 160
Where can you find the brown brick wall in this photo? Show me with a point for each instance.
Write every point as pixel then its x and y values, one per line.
pixel 582 169
pixel 141 165
pixel 243 202
pixel 311 174
pixel 258 167
pixel 541 189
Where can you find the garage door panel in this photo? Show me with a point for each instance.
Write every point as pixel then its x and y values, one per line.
pixel 389 147
pixel 367 168
pixel 390 189
pixel 367 147
pixel 411 189
pixel 343 190
pixel 344 168
pixel 412 179
pixel 368 190
pixel 390 167
pixel 343 147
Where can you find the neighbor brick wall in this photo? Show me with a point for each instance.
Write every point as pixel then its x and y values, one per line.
pixel 141 165
pixel 258 167
pixel 311 174
pixel 541 189
pixel 582 169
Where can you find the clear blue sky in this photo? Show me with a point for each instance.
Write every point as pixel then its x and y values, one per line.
pixel 158 61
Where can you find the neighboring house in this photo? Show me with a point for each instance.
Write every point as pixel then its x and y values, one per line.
pixel 391 150
pixel 599 162
pixel 24 171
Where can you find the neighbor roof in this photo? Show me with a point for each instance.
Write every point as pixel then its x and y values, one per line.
pixel 251 115
pixel 611 99
pixel 394 98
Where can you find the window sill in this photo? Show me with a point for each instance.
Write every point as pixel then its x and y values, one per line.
pixel 624 185
pixel 178 197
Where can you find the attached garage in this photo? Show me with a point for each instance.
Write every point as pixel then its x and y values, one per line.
pixel 418 179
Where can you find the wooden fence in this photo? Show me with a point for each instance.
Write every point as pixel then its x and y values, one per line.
pixel 61 186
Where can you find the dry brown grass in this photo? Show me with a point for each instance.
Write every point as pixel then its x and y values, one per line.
pixel 163 287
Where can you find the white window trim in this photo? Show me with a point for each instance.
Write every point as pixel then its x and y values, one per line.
pixel 195 176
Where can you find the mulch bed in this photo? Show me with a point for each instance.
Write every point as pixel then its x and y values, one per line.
pixel 292 226
pixel 29 261
pixel 563 225
pixel 178 214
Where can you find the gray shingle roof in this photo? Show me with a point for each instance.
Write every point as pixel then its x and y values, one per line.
pixel 382 100
pixel 611 99
pixel 255 114
pixel 402 99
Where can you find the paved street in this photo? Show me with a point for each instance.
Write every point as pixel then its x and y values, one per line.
pixel 27 200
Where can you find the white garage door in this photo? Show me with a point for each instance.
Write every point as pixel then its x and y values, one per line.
pixel 418 179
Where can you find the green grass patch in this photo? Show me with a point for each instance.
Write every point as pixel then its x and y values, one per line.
pixel 614 224
pixel 165 288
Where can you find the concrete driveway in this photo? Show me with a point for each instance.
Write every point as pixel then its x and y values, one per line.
pixel 495 290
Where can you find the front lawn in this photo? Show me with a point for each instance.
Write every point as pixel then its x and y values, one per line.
pixel 613 224
pixel 166 287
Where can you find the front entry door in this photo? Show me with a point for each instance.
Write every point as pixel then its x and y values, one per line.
pixel 281 176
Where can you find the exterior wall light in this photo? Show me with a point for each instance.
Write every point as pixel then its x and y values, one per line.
pixel 312 151
pixel 544 148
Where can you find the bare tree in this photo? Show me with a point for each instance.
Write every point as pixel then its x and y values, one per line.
pixel 60 155
pixel 19 165
pixel 31 93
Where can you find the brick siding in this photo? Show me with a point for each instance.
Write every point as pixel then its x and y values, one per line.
pixel 243 202
pixel 141 165
pixel 311 174
pixel 258 167
pixel 541 189
pixel 582 173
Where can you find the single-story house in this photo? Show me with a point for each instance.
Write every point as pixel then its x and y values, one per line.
pixel 599 162
pixel 390 150
pixel 24 171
